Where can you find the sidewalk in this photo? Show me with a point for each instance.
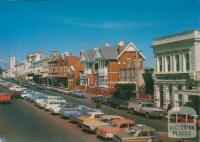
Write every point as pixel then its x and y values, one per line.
pixel 65 91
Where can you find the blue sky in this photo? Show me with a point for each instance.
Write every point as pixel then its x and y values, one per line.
pixel 75 25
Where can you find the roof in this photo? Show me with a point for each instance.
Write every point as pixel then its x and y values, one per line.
pixel 175 34
pixel 90 54
pixel 123 121
pixel 109 53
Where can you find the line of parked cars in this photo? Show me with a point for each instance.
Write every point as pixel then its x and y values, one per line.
pixel 91 120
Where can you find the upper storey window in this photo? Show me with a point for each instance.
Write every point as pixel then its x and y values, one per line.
pixel 187 60
pixel 168 64
pixel 160 64
pixel 177 63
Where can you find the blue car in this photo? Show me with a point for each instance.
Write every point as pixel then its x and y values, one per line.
pixel 77 94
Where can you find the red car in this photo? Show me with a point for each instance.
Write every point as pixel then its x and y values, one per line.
pixel 5 98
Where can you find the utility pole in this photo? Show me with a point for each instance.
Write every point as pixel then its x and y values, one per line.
pixel 136 74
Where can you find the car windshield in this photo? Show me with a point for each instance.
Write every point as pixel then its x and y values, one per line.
pixel 148 105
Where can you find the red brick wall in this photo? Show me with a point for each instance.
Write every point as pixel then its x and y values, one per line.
pixel 99 91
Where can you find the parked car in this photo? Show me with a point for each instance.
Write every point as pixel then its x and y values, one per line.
pixel 63 109
pixel 90 116
pixel 146 108
pixel 77 94
pixel 136 134
pixel 117 103
pixel 5 98
pixel 75 118
pixel 92 126
pixel 41 86
pixel 51 102
pixel 117 125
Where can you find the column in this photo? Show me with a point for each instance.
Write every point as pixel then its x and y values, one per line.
pixel 185 96
pixel 165 96
pixel 155 65
pixel 163 64
pixel 157 95
pixel 175 97
pixel 184 62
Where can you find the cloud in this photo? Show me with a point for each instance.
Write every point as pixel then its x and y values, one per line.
pixel 81 22
pixel 118 25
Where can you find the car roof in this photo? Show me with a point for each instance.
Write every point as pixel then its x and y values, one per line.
pixel 123 121
pixel 112 117
pixel 95 112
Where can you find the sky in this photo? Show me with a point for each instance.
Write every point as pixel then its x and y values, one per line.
pixel 74 25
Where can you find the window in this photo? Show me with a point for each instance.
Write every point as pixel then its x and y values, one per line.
pixel 168 63
pixel 187 60
pixel 124 126
pixel 128 60
pixel 177 63
pixel 160 64
pixel 143 134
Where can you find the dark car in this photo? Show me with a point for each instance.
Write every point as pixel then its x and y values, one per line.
pixel 41 87
pixel 97 98
pixel 117 103
pixel 77 94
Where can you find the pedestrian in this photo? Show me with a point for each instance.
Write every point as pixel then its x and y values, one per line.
pixel 98 105
pixel 169 107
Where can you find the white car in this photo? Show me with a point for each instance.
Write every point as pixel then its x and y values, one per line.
pixel 55 108
pixel 52 102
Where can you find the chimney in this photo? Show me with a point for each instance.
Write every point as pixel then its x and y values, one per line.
pixel 120 46
pixel 106 45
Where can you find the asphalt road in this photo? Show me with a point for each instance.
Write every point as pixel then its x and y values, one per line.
pixel 21 121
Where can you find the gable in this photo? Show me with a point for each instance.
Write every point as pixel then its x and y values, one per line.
pixel 97 55
pixel 129 48
pixel 83 57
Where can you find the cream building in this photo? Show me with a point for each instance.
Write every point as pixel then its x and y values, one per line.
pixel 176 66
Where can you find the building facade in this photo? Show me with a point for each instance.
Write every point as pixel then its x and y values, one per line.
pixel 107 66
pixel 22 70
pixel 12 69
pixel 176 65
pixel 63 70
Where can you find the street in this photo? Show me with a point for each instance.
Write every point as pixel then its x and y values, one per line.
pixel 21 121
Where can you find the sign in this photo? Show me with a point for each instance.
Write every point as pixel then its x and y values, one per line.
pixel 182 122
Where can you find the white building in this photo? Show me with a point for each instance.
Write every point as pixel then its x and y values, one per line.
pixel 176 65
pixel 35 56
pixel 22 69
pixel 12 69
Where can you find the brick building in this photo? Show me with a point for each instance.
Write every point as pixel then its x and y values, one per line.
pixel 107 66
pixel 63 70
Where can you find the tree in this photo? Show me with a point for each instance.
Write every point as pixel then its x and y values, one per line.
pixel 148 83
pixel 194 103
pixel 1 71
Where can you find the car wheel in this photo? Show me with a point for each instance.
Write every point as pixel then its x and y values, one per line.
pixel 132 111
pixel 147 115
